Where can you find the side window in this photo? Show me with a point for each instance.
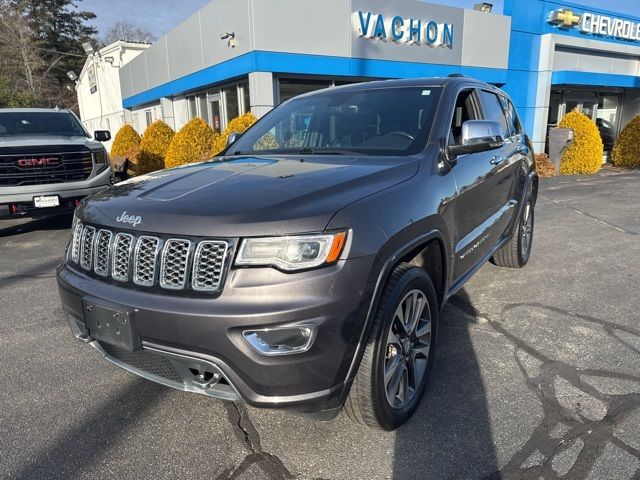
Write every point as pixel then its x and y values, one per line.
pixel 513 121
pixel 493 110
pixel 466 108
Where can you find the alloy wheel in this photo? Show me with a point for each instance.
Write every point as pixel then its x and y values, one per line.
pixel 407 349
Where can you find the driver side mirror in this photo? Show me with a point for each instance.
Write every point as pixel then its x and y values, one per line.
pixel 102 135
pixel 233 136
pixel 477 136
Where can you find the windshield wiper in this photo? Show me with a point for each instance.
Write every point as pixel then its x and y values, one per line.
pixel 327 151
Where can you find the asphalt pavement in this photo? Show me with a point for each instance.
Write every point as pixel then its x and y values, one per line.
pixel 537 374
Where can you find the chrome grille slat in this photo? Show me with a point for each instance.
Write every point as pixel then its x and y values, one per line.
pixel 208 265
pixel 122 248
pixel 75 243
pixel 102 252
pixel 173 266
pixel 146 253
pixel 148 261
pixel 86 247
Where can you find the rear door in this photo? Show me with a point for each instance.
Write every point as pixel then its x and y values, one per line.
pixel 483 208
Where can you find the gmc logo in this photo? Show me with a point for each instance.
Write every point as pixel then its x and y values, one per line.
pixel 38 162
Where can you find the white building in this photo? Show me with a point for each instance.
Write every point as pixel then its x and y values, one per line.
pixel 98 86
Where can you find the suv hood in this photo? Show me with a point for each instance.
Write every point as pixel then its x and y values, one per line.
pixel 246 196
pixel 22 141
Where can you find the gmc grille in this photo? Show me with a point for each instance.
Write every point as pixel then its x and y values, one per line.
pixel 148 261
pixel 65 167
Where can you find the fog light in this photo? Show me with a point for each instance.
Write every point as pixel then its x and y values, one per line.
pixel 282 340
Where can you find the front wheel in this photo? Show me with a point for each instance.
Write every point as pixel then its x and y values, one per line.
pixel 516 252
pixel 396 363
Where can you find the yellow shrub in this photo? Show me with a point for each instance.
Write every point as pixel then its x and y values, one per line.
pixel 238 124
pixel 193 143
pixel 153 147
pixel 626 151
pixel 584 155
pixel 126 140
pixel 126 144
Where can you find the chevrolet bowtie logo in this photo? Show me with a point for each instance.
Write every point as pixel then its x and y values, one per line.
pixel 564 18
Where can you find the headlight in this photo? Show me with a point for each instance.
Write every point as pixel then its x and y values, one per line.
pixel 292 253
pixel 101 159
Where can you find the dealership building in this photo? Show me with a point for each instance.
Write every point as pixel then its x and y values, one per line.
pixel 234 56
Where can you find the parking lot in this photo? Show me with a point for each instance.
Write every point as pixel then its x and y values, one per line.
pixel 537 374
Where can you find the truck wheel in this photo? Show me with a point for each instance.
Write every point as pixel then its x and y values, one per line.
pixel 515 253
pixel 399 355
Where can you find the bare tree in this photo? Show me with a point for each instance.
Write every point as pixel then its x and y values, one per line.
pixel 127 32
pixel 21 64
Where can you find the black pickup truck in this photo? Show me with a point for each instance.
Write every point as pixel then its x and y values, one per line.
pixel 305 268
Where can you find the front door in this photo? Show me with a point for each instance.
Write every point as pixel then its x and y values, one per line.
pixel 483 207
pixel 214 112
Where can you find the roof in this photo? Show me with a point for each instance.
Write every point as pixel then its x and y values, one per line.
pixel 33 110
pixel 401 82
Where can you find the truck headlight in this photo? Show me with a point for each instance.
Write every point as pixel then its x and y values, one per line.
pixel 101 159
pixel 294 252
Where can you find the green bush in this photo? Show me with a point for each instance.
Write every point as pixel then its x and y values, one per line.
pixel 626 151
pixel 153 147
pixel 193 143
pixel 584 155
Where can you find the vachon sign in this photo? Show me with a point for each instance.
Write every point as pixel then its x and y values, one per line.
pixel 403 30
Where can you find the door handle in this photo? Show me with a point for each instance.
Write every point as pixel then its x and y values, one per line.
pixel 521 149
pixel 496 159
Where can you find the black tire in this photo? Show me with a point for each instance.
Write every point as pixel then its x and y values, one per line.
pixel 515 253
pixel 368 401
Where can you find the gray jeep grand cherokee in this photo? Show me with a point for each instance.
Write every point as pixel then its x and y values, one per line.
pixel 48 162
pixel 305 268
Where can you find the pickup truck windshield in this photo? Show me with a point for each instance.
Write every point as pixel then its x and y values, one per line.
pixel 39 123
pixel 393 121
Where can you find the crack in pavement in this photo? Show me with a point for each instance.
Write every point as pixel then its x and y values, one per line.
pixel 588 215
pixel 595 434
pixel 247 434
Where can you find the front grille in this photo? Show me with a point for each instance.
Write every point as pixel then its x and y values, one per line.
pixel 177 264
pixel 64 166
pixel 173 272
pixel 207 267
pixel 144 360
pixel 101 256
pixel 86 247
pixel 122 247
pixel 144 272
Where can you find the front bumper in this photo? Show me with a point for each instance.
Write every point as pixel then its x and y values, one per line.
pixel 197 333
pixel 22 196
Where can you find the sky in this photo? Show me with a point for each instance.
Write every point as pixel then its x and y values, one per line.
pixel 160 16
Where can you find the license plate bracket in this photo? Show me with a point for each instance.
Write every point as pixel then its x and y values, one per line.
pixel 46 201
pixel 111 323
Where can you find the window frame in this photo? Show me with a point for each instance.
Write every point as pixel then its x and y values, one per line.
pixel 477 107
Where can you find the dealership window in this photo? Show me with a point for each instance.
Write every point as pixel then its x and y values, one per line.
pixel 290 88
pixel 148 115
pixel 219 106
pixel 232 105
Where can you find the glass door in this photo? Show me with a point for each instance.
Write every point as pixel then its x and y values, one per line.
pixel 607 117
pixel 214 112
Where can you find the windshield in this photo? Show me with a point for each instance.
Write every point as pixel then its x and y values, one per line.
pixel 392 121
pixel 39 123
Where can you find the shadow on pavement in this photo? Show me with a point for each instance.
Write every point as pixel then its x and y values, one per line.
pixel 18 226
pixel 450 433
pixel 81 447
